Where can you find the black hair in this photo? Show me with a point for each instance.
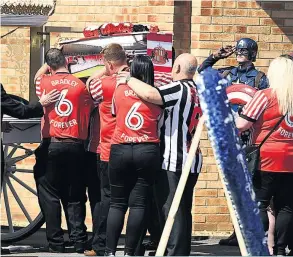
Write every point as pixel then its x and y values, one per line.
pixel 142 68
pixel 55 58
pixel 173 55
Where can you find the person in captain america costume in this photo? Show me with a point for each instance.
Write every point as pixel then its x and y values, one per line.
pixel 245 73
pixel 246 50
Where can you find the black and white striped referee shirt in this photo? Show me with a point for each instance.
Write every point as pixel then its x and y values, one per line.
pixel 178 124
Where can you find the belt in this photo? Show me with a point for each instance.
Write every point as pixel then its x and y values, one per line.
pixel 64 140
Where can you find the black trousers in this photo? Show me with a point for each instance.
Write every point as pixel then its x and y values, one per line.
pixel 280 186
pixel 152 224
pixel 179 243
pixel 60 179
pixel 92 183
pixel 132 170
pixel 99 239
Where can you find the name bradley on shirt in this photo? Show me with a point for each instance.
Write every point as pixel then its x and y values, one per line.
pixel 64 81
pixel 129 93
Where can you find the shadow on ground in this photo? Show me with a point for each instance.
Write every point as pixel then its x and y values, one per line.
pixel 30 247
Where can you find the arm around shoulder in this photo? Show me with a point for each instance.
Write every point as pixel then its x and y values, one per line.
pixel 43 70
pixel 145 91
pixel 97 75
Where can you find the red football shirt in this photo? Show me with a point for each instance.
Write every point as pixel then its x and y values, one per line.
pixel 277 151
pixel 102 91
pixel 162 78
pixel 136 120
pixel 69 117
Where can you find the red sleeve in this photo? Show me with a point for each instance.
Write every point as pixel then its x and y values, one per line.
pixel 96 91
pixel 39 86
pixel 253 109
pixel 162 78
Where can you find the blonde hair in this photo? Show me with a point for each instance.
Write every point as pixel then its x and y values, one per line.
pixel 280 76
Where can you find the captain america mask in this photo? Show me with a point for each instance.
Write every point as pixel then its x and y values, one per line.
pixel 242 51
pixel 242 55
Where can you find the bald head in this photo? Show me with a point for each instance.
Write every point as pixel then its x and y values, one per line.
pixel 184 67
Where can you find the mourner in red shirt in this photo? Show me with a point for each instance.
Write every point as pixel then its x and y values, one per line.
pixel 60 157
pixel 102 89
pixel 134 159
pixel 181 113
pixel 264 112
pixel 69 118
pixel 275 178
pixel 106 126
pixel 136 121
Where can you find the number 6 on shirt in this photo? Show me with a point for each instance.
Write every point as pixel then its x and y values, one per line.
pixel 66 102
pixel 133 114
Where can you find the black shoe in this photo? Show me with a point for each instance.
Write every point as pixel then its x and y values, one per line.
pixel 151 246
pixel 140 251
pixel 79 247
pixel 108 253
pixel 231 240
pixel 52 249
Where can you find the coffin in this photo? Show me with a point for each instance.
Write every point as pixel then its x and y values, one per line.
pixel 84 58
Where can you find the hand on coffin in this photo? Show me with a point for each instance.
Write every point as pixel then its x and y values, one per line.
pixel 60 47
pixel 51 97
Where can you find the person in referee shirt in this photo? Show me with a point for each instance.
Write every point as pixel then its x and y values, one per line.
pixel 64 131
pixel 181 113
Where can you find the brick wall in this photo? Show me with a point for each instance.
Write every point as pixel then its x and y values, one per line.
pixel 14 61
pixel 215 24
pixel 204 27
